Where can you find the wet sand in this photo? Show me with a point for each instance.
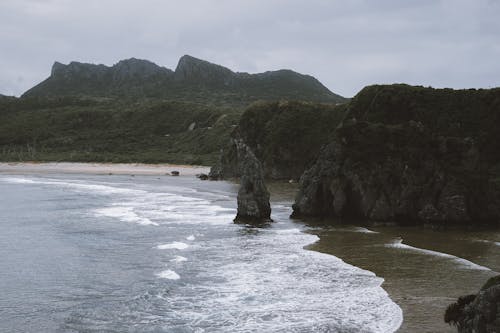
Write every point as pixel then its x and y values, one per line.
pixel 102 168
pixel 422 282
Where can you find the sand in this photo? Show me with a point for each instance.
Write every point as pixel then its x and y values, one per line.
pixel 102 168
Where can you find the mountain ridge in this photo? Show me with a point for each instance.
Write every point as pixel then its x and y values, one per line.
pixel 203 80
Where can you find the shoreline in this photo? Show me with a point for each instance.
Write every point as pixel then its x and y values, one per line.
pixel 101 168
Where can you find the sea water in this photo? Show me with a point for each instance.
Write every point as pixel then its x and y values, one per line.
pixel 83 253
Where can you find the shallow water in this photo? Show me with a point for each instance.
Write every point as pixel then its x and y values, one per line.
pixel 149 254
pixel 424 270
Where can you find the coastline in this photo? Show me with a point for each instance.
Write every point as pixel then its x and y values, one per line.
pixel 101 168
pixel 424 273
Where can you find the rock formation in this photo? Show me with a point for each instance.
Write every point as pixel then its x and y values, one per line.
pixel 477 313
pixel 411 155
pixel 397 173
pixel 285 136
pixel 253 197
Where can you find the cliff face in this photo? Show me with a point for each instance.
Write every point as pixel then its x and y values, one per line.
pixel 408 154
pixel 285 136
pixel 477 313
pixel 398 173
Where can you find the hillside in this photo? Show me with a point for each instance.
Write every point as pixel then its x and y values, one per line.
pixel 193 80
pixel 137 111
pixel 112 131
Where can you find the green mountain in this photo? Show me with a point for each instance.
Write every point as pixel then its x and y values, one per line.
pixel 193 80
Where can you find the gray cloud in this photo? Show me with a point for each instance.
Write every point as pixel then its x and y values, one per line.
pixel 345 44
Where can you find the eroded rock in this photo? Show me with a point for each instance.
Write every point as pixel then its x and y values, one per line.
pixel 253 197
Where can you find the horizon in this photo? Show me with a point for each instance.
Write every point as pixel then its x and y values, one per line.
pixel 346 46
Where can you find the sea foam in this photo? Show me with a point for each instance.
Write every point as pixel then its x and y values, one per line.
pixel 173 245
pixel 169 275
pixel 461 261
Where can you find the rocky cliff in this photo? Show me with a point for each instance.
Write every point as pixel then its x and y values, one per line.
pixel 194 80
pixel 477 313
pixel 409 154
pixel 285 136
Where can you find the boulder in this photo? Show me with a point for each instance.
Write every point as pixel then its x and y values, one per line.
pixel 202 176
pixel 477 313
pixel 174 173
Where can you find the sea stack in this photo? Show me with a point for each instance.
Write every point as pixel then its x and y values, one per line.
pixel 253 197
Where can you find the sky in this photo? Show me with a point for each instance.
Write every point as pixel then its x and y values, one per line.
pixel 345 44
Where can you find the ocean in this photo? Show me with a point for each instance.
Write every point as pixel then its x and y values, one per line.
pixel 116 253
pixel 89 253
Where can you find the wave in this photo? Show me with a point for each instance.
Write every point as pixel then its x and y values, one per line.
pixel 125 214
pixel 179 259
pixel 173 245
pixel 461 261
pixel 168 274
pixel 487 241
pixel 278 282
pixel 365 230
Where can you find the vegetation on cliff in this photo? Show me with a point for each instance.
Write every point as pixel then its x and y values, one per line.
pixel 409 154
pixel 285 136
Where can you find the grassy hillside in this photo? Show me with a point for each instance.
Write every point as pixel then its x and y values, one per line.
pixel 112 131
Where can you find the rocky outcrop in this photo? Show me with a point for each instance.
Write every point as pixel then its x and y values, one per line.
pixel 253 197
pixel 199 71
pixel 410 155
pixel 398 173
pixel 477 313
pixel 285 136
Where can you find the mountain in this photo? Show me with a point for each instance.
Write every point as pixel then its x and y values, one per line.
pixel 193 80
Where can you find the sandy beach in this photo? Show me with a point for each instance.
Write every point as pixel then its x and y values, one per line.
pixel 102 168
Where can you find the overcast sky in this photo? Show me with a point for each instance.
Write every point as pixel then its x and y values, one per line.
pixel 346 44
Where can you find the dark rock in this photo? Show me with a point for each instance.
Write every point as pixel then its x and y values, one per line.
pixel 253 197
pixel 202 176
pixel 174 173
pixel 397 173
pixel 477 313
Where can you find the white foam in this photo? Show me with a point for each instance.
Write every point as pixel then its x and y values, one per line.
pixel 168 274
pixel 16 180
pixel 463 262
pixel 487 241
pixel 125 214
pixel 282 287
pixel 365 230
pixel 173 245
pixel 104 189
pixel 191 238
pixel 179 259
